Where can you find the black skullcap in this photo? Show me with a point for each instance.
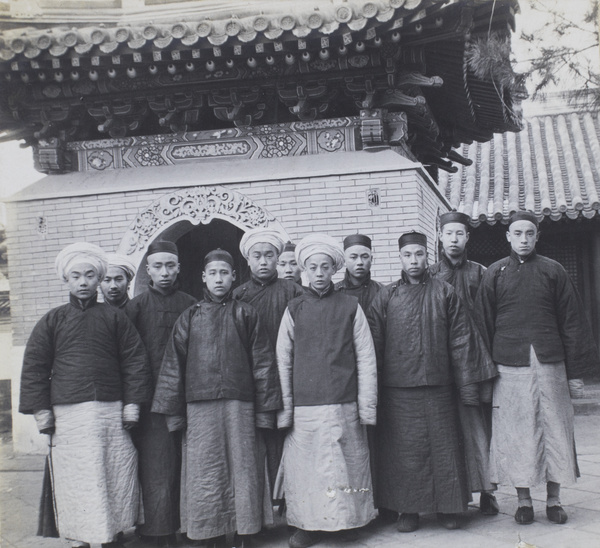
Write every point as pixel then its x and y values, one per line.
pixel 289 246
pixel 524 216
pixel 454 217
pixel 218 255
pixel 412 238
pixel 162 246
pixel 357 239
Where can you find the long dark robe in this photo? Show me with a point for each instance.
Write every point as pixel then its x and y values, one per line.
pixel 270 299
pixel 154 315
pixel 419 451
pixel 427 345
pixel 476 421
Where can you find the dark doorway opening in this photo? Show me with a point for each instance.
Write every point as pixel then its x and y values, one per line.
pixel 194 242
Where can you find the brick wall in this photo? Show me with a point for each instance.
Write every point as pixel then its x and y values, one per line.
pixel 336 204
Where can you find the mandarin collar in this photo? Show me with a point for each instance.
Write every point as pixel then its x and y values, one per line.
pixel 264 283
pixel 347 283
pixel 405 281
pixel 170 291
pixel 518 259
pixel 210 298
pixel 459 264
pixel 83 304
pixel 323 294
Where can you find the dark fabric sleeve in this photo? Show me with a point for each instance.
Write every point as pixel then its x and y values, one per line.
pixel 471 362
pixel 581 353
pixel 37 367
pixel 136 375
pixel 377 317
pixel 485 309
pixel 169 394
pixel 267 387
pixel 131 309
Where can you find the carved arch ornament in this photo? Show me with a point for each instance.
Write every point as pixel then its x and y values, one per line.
pixel 197 205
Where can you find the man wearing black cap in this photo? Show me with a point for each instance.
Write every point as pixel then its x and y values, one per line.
pixel 154 313
pixel 219 377
pixel 536 327
pixel 428 348
pixel 287 264
pixel 465 276
pixel 357 280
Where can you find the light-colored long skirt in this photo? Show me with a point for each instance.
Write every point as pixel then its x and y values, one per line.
pixel 94 472
pixel 220 485
pixel 324 473
pixel 533 439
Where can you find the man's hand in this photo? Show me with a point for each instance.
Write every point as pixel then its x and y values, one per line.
pixel 576 389
pixel 175 423
pixel 44 419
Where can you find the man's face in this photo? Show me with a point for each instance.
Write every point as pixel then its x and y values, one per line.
pixel 288 268
pixel 414 261
pixel 114 285
pixel 454 238
pixel 163 269
pixel 319 269
pixel 522 236
pixel 218 277
pixel 358 261
pixel 83 281
pixel 262 261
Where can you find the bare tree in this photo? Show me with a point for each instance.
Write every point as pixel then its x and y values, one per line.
pixel 564 50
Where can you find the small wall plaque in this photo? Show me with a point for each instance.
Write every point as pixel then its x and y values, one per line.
pixel 373 197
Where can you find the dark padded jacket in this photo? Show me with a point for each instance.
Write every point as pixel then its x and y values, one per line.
pixel 218 350
pixel 465 277
pixel 424 336
pixel 270 300
pixel 83 351
pixel 534 303
pixel 364 292
pixel 154 315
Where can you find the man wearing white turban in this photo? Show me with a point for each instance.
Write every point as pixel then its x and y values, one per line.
pixel 84 377
pixel 115 284
pixel 327 367
pixel 269 295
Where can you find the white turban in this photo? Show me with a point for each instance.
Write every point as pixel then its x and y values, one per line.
pixel 262 236
pixel 79 253
pixel 122 262
pixel 319 243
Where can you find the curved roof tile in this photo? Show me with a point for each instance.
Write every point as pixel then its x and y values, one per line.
pixel 215 23
pixel 552 167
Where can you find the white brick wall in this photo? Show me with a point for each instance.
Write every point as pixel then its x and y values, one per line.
pixel 336 204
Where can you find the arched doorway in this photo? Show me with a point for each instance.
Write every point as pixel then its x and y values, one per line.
pixel 198 219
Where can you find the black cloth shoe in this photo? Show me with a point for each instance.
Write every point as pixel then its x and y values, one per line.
pixel 524 515
pixel 488 505
pixel 407 523
pixel 214 542
pixel 242 541
pixel 388 516
pixel 347 535
pixel 449 521
pixel 304 539
pixel 556 514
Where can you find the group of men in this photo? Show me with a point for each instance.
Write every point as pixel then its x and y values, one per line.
pixel 343 400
